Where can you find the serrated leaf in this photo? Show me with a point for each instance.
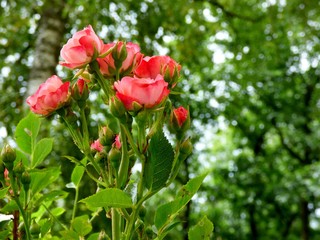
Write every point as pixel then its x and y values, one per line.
pixel 166 213
pixel 110 197
pixel 159 165
pixel 27 131
pixel 202 230
pixel 42 178
pixel 41 151
pixel 82 225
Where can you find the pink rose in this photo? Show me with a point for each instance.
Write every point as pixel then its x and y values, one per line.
pixel 81 49
pixel 117 142
pixel 50 96
pixel 97 146
pixel 150 67
pixel 132 58
pixel 180 115
pixel 145 91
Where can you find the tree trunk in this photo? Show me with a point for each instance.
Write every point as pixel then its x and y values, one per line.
pixel 48 42
pixel 304 211
pixel 253 226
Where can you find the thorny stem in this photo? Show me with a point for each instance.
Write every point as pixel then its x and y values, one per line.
pixel 124 164
pixel 100 79
pixel 21 209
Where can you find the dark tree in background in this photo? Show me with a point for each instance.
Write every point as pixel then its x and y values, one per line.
pixel 251 72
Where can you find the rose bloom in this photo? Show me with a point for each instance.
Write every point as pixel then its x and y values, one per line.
pixel 181 115
pixel 97 146
pixel 50 96
pixel 130 63
pixel 145 91
pixel 81 49
pixel 150 67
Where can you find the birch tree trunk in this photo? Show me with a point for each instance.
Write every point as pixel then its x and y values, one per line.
pixel 48 42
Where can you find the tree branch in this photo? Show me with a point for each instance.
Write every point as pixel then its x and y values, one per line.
pixel 285 145
pixel 230 13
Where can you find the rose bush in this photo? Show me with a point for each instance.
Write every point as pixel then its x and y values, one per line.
pixel 146 92
pixel 132 131
pixel 81 49
pixel 50 96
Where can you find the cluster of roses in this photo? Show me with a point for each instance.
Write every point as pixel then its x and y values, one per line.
pixel 127 76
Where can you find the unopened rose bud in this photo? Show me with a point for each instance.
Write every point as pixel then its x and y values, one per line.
pixel 80 92
pixel 117 108
pixel 119 54
pixel 114 156
pixel 35 230
pixel 172 76
pixel 26 180
pixel 185 149
pixel 149 233
pixel 106 136
pixel 117 142
pixel 96 146
pixel 18 169
pixel 179 121
pixel 8 156
pixel 142 212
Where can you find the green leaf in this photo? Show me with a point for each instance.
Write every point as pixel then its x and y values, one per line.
pixel 72 159
pixel 99 236
pixel 45 225
pixel 52 196
pixel 3 192
pixel 21 156
pixel 9 207
pixel 58 211
pixel 5 234
pixel 158 168
pixel 166 213
pixel 42 149
pixel 27 131
pixel 82 225
pixel 110 197
pixel 42 178
pixel 77 173
pixel 69 234
pixel 202 230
